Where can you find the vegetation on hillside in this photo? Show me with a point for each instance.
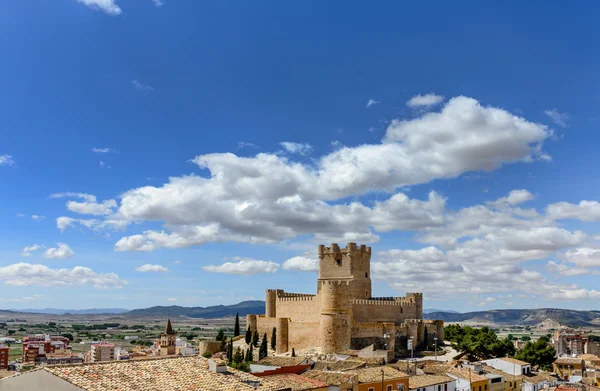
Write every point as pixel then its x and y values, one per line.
pixel 478 344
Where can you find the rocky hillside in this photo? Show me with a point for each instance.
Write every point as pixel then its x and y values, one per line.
pixel 217 311
pixel 533 317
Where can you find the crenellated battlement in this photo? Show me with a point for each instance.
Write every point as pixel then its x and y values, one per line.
pixel 382 302
pixel 350 248
pixel 287 294
pixel 296 298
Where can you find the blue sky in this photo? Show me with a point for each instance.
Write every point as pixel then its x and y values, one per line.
pixel 195 153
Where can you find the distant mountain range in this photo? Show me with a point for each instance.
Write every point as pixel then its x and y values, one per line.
pixel 430 310
pixel 550 317
pixel 217 311
pixel 59 311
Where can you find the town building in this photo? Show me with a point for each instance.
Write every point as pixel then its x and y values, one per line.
pixel 566 367
pixel 468 379
pixel 343 314
pixel 297 382
pixel 154 374
pixel 338 381
pixel 168 340
pixel 63 358
pixel 509 365
pixel 511 382
pixel 100 352
pixel 431 383
pixel 35 347
pixel 538 381
pixel 574 343
pixel 3 357
pixel 372 379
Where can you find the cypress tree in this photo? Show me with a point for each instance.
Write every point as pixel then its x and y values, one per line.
pixel 230 351
pixel 262 352
pixel 255 339
pixel 238 357
pixel 249 354
pixel 223 345
pixel 293 353
pixel 236 328
pixel 274 339
pixel 248 336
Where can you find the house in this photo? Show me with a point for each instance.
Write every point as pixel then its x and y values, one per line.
pixel 371 379
pixel 431 383
pixel 496 381
pixel 511 382
pixel 337 381
pixel 467 379
pixel 509 365
pixel 277 365
pixel 536 382
pixel 565 367
pixel 298 383
pixel 155 374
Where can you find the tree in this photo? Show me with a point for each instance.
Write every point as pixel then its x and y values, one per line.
pixel 255 339
pixel 526 338
pixel 236 328
pixel 238 357
pixel 510 337
pixel 263 352
pixel 230 350
pixel 293 352
pixel 69 336
pixel 223 345
pixel 248 336
pixel 249 354
pixel 479 344
pixel 274 339
pixel 220 335
pixel 538 353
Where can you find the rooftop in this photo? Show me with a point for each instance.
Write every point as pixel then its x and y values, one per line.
pixel 342 365
pixel 514 361
pixel 169 373
pixel 427 380
pixel 465 374
pixel 296 382
pixel 369 375
pixel 568 360
pixel 281 361
pixel 329 377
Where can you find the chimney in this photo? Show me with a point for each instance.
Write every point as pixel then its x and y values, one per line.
pixel 217 366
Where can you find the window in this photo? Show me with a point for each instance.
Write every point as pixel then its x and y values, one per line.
pixel 439 387
pixel 479 388
pixel 366 275
pixel 485 387
pixel 446 387
pixel 389 387
pixel 371 389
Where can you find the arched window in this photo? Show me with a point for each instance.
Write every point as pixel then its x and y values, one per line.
pixel 366 275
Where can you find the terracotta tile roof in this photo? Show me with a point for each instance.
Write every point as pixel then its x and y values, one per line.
pixel 281 361
pixel 170 373
pixel 342 365
pixel 369 375
pixel 433 369
pixel 536 378
pixel 422 381
pixel 329 377
pixel 464 374
pixel 568 360
pixel 296 382
pixel 589 357
pixel 513 361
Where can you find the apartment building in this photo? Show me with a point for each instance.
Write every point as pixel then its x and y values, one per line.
pixel 3 357
pixel 102 352
pixel 36 347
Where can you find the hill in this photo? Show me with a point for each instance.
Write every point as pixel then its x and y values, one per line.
pixel 217 311
pixel 526 317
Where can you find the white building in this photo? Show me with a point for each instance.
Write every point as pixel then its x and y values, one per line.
pixel 431 383
pixel 131 337
pixel 538 382
pixel 509 365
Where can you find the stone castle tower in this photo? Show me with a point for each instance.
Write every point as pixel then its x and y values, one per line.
pixel 343 315
pixel 168 340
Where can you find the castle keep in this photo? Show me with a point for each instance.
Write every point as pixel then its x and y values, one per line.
pixel 343 315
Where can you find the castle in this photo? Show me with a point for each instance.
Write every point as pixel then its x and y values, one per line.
pixel 343 315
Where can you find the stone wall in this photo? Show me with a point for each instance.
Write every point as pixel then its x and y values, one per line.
pixel 211 347
pixel 302 335
pixel 396 311
pixel 305 308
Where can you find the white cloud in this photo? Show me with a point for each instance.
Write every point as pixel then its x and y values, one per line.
pixel 177 262
pixel 490 299
pixel 25 274
pixel 509 303
pixel 101 150
pixel 29 249
pixel 245 144
pixel 583 211
pixel 89 206
pixel 557 117
pixel 172 299
pixel 63 251
pixel 302 264
pixel 64 222
pixel 158 3
pixel 38 217
pixel 108 6
pixel 566 270
pixel 243 266
pixel 7 160
pixel 299 148
pixel 141 86
pixel 20 215
pixel 426 100
pixel 151 268
pixel 583 257
pixel 575 294
pixel 22 299
pixel 372 102
pixel 515 197
pixel 103 164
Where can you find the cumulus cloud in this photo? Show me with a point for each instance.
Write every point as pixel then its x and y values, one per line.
pixel 108 6
pixel 575 294
pixel 426 100
pixel 7 160
pixel 147 268
pixel 302 264
pixel 22 299
pixel 63 251
pixel 372 102
pixel 583 257
pixel 243 266
pixel 557 117
pixel 566 270
pixel 515 197
pixel 37 217
pixel 138 85
pixel 89 205
pixel 172 299
pixel 583 211
pixel 25 274
pixel 101 150
pixel 29 249
pixel 299 148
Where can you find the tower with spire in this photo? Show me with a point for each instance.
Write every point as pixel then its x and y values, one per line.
pixel 168 340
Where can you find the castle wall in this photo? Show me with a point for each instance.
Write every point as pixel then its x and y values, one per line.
pixel 265 325
pixel 299 308
pixel 302 335
pixel 281 341
pixel 336 317
pixel 396 311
